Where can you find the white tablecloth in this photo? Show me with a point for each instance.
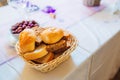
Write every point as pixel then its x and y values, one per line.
pixel 96 56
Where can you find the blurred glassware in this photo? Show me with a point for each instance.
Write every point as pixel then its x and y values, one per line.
pixel 23 7
pixel 91 3
pixel 116 7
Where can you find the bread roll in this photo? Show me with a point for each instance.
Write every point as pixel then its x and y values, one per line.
pixel 38 31
pixel 52 35
pixel 27 40
pixel 37 53
pixel 45 59
pixel 57 46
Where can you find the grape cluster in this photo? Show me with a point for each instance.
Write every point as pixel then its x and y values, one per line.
pixel 18 27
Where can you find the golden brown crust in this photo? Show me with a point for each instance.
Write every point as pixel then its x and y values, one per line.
pixel 27 40
pixel 52 35
pixel 45 59
pixel 39 52
pixel 57 46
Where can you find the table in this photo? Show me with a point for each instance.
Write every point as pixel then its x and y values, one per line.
pixel 96 56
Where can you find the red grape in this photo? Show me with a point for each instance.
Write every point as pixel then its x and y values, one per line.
pixel 18 27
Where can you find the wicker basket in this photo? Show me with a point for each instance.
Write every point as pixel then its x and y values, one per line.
pixel 45 67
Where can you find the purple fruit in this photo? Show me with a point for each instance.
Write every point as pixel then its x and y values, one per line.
pixel 23 22
pixel 18 27
pixel 14 27
pixel 23 26
pixel 13 32
pixel 33 22
pixel 30 22
pixel 31 25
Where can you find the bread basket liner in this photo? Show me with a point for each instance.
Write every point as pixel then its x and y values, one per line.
pixel 45 67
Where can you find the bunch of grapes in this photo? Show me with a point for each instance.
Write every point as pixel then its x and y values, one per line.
pixel 18 27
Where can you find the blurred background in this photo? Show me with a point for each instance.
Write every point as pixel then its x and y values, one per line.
pixel 3 3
